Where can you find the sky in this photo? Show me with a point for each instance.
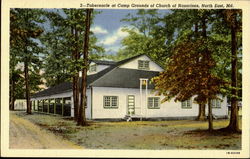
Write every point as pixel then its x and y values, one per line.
pixel 107 27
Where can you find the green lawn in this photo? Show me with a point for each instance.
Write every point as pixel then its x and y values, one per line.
pixel 181 134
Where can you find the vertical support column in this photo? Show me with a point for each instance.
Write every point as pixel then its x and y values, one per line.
pixel 146 107
pixel 62 106
pixel 54 105
pixel 72 107
pixel 91 105
pixel 48 106
pixel 141 97
pixel 37 105
pixel 32 104
pixel 42 104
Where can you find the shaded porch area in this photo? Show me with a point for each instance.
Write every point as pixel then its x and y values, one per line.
pixel 56 106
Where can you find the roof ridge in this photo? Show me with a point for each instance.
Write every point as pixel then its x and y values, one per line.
pixel 103 60
pixel 138 70
pixel 115 66
pixel 130 58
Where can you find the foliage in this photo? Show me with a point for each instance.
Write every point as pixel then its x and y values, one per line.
pixel 145 36
pixel 23 47
pixel 59 42
pixel 188 72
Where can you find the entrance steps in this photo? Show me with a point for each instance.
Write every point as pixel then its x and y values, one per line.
pixel 132 117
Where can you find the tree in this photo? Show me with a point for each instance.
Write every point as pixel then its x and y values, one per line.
pixel 221 24
pixel 56 48
pixel 81 118
pixel 145 36
pixel 175 27
pixel 16 83
pixel 16 80
pixel 228 28
pixel 188 73
pixel 233 20
pixel 23 30
pixel 63 43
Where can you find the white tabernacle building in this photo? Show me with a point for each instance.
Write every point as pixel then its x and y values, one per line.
pixel 116 90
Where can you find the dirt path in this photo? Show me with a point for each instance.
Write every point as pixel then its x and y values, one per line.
pixel 26 135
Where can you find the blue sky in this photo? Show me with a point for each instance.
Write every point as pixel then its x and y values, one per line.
pixel 107 28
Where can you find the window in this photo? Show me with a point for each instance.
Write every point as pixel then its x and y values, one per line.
pixel 216 103
pixel 153 103
pixel 143 65
pixel 110 102
pixel 92 68
pixel 186 104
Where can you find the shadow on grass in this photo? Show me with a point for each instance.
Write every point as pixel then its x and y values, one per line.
pixel 217 132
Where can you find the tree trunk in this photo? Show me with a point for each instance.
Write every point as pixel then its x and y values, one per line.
pixel 75 78
pixel 76 86
pixel 202 115
pixel 12 97
pixel 27 88
pixel 77 56
pixel 210 116
pixel 196 29
pixel 204 31
pixel 81 117
pixel 26 71
pixel 233 125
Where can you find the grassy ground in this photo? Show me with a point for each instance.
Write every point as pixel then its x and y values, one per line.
pixel 182 134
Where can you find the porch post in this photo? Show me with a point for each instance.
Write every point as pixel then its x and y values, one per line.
pixel 54 105
pixel 42 104
pixel 37 105
pixel 48 106
pixel 72 107
pixel 146 107
pixel 62 106
pixel 141 97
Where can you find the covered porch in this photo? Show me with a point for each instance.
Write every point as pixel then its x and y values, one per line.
pixel 56 106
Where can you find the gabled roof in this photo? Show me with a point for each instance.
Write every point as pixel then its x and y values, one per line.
pixel 124 78
pixel 134 57
pixel 112 76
